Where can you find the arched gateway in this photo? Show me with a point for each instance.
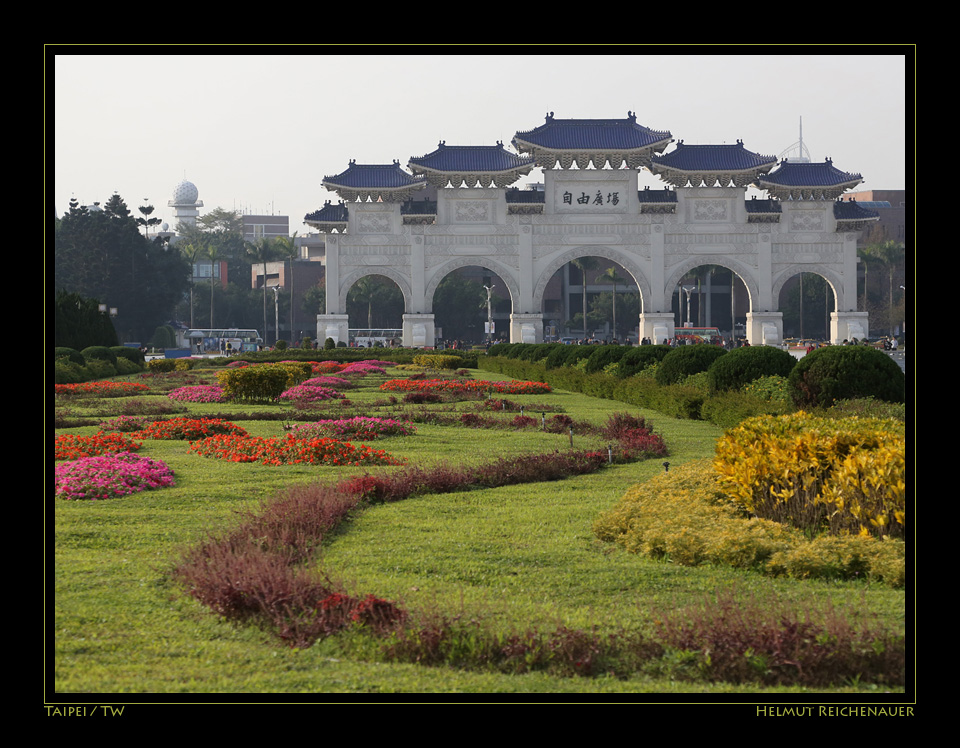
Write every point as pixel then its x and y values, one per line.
pixel 702 217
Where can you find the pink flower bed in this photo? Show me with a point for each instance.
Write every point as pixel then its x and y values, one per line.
pixel 199 393
pixel 335 383
pixel 360 427
pixel 309 394
pixel 109 476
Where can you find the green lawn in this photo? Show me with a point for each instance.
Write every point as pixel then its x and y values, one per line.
pixel 517 556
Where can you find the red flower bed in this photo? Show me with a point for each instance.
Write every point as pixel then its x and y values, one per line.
pixel 287 450
pixel 190 429
pixel 75 447
pixel 102 389
pixel 472 385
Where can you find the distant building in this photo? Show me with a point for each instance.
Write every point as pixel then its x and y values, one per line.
pixel 262 226
pixel 891 207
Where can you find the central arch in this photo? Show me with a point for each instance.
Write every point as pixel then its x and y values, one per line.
pixel 621 258
pixel 439 272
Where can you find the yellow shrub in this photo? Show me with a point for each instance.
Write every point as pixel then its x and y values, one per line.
pixel 438 361
pixel 681 516
pixel 846 475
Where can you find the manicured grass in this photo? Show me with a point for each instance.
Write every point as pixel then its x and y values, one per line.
pixel 517 556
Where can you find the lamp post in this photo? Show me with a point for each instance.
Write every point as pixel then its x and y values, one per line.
pixel 276 314
pixel 489 312
pixel 689 291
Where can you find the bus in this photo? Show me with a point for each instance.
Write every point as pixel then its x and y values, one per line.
pixel 709 335
pixel 223 340
pixel 381 337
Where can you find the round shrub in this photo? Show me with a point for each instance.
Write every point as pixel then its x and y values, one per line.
pixel 639 358
pixel 685 360
pixel 535 352
pixel 130 354
pixel 67 372
pixel 126 366
pixel 100 353
pixel 101 369
pixel 74 356
pixel 741 366
pixel 845 372
pixel 604 355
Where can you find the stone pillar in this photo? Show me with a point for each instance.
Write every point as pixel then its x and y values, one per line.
pixel 658 326
pixel 849 325
pixel 765 328
pixel 419 331
pixel 336 326
pixel 526 328
pixel 332 275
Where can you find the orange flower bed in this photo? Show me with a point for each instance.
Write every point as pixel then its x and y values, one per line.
pixel 287 450
pixel 75 447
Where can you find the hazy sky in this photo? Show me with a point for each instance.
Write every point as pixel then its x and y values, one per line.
pixel 258 133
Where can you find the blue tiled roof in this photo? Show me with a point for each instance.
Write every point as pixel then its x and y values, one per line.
pixel 471 158
pixel 515 195
pixel 372 176
pixel 646 195
pixel 763 206
pixel 795 174
pixel 419 207
pixel 591 134
pixel 713 158
pixel 850 210
pixel 328 213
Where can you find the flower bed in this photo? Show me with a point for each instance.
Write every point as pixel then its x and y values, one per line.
pixel 109 476
pixel 288 450
pixel 309 394
pixel 101 389
pixel 199 393
pixel 363 367
pixel 76 447
pixel 334 383
pixel 189 428
pixel 478 386
pixel 359 427
pixel 126 423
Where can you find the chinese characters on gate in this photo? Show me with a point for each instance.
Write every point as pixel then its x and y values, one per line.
pixel 611 198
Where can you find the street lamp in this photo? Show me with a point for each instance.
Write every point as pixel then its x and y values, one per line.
pixel 489 312
pixel 689 291
pixel 276 314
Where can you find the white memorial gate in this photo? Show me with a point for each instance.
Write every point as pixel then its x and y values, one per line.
pixel 591 207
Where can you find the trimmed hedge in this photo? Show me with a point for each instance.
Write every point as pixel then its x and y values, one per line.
pixel 639 358
pixel 846 372
pixel 742 366
pixel 99 353
pixel 686 360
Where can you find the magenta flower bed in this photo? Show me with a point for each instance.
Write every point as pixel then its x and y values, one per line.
pixel 334 383
pixel 199 393
pixel 309 394
pixel 360 427
pixel 109 476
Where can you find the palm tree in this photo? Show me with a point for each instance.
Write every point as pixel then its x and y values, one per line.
pixel 583 264
pixel 214 253
pixel 192 251
pixel 364 291
pixel 610 276
pixel 286 247
pixel 261 252
pixel 888 254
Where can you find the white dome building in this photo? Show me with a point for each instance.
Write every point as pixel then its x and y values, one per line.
pixel 185 203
